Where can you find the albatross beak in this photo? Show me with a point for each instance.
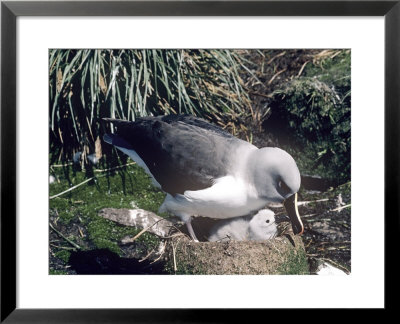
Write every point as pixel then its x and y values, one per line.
pixel 291 208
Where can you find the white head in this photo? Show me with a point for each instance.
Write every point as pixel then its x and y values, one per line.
pixel 262 226
pixel 275 174
pixel 276 178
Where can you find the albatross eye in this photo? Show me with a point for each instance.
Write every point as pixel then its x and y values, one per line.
pixel 283 188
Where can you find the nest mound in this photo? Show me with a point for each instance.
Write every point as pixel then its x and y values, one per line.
pixel 282 255
pixel 285 254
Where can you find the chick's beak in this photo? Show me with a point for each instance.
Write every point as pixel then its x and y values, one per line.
pixel 291 208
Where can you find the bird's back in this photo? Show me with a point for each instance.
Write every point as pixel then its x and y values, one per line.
pixel 182 152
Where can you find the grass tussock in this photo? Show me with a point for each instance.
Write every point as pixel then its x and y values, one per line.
pixel 86 85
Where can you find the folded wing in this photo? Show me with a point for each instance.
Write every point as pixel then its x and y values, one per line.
pixel 181 152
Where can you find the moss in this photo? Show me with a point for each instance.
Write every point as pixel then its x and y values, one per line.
pixel 296 264
pixel 63 255
pixel 334 70
pixel 184 269
pixel 106 234
pixel 58 272
pixel 63 208
pixel 311 116
pixel 124 188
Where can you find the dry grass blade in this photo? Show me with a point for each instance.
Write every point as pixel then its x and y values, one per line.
pixel 72 188
pixel 65 238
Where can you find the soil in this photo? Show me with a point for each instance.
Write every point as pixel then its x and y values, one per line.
pixel 283 255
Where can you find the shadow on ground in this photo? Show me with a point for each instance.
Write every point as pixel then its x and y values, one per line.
pixel 103 261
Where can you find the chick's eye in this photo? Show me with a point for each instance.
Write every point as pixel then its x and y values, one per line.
pixel 267 221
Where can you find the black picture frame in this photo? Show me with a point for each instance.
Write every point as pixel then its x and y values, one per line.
pixel 10 10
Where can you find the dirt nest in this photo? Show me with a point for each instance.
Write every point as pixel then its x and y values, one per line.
pixel 282 255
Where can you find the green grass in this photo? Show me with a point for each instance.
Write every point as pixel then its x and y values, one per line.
pixel 296 264
pixel 63 255
pixel 122 189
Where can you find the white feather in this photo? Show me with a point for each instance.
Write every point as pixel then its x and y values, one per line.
pixel 258 228
pixel 228 197
pixel 135 157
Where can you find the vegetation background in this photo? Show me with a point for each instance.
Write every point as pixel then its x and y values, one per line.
pixel 299 100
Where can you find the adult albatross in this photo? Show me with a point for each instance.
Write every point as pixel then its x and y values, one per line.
pixel 206 171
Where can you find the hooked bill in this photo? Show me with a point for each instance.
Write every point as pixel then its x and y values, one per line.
pixel 293 213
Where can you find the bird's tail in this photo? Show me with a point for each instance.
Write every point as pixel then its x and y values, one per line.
pixel 108 138
pixel 117 141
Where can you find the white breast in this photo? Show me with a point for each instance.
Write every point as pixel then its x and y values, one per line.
pixel 228 197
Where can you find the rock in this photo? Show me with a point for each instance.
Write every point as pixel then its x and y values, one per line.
pixel 325 269
pixel 139 218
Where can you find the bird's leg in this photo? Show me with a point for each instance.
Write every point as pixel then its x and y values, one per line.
pixel 187 219
pixel 190 229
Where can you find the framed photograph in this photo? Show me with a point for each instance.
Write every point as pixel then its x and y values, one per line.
pixel 297 44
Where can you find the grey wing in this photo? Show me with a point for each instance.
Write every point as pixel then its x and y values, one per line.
pixel 179 155
pixel 196 121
